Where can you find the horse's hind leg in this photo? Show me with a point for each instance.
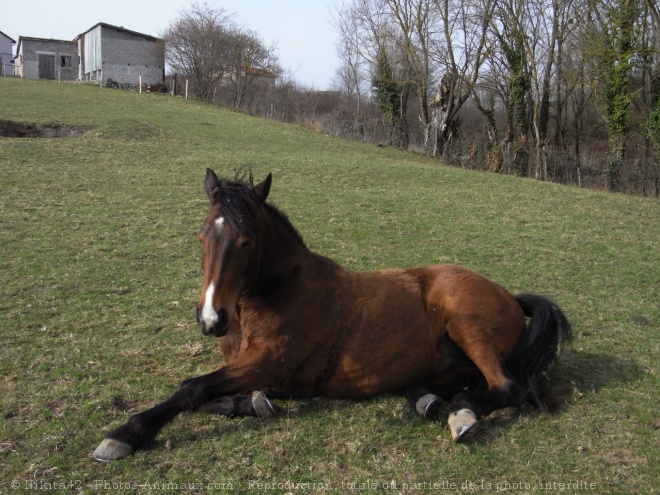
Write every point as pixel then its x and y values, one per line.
pixel 467 408
pixel 426 399
pixel 256 404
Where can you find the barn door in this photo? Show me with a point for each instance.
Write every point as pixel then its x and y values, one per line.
pixel 46 66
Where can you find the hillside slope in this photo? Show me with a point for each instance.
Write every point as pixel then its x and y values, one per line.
pixel 100 268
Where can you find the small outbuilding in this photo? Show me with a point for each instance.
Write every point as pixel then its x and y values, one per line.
pixel 40 58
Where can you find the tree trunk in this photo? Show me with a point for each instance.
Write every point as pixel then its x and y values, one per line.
pixel 613 162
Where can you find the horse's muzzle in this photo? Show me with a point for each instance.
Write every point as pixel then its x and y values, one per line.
pixel 219 327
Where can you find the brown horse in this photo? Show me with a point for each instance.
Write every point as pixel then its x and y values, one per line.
pixel 293 323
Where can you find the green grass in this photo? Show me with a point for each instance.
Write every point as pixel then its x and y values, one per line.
pixel 99 267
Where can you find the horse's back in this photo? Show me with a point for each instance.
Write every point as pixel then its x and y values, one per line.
pixel 459 291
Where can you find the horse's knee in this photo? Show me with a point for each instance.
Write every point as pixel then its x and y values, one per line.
pixel 193 393
pixel 256 404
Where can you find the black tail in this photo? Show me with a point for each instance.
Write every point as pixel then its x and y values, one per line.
pixel 548 332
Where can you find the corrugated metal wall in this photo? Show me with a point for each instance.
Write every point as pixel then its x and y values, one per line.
pixel 92 44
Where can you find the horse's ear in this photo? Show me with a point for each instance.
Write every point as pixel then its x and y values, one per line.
pixel 211 184
pixel 263 188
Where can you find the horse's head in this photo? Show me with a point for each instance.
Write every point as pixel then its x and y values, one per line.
pixel 232 248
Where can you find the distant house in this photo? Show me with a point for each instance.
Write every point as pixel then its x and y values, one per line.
pixel 111 52
pixel 6 55
pixel 40 58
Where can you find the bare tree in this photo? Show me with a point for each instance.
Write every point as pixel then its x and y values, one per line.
pixel 461 51
pixel 377 36
pixel 248 60
pixel 415 21
pixel 419 41
pixel 205 47
pixel 196 45
pixel 537 30
pixel 575 92
pixel 351 77
pixel 650 76
pixel 614 34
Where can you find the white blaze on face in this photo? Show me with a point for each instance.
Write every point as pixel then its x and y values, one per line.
pixel 219 223
pixel 209 315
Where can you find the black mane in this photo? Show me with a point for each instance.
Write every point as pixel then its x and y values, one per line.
pixel 240 203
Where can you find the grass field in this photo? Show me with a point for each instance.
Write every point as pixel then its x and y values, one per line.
pixel 99 267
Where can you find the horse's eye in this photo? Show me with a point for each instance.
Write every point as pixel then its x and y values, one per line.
pixel 246 243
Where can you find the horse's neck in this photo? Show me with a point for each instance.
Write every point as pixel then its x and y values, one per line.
pixel 282 253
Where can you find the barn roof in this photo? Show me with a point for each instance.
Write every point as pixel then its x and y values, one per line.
pixel 120 28
pixel 52 40
pixel 13 41
pixel 21 39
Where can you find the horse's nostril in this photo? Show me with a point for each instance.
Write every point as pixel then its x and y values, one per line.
pixel 223 319
pixel 217 325
pixel 201 322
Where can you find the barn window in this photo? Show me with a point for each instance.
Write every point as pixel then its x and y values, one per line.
pixel 66 60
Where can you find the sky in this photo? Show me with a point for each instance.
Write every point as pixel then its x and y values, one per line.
pixel 300 29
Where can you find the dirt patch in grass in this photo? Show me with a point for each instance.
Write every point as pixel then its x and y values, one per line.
pixel 11 129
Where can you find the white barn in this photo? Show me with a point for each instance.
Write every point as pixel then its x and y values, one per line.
pixel 111 52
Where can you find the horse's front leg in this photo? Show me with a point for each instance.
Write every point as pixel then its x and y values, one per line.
pixel 141 429
pixel 257 404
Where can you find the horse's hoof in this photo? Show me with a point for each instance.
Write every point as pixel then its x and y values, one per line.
pixel 111 450
pixel 460 423
pixel 427 406
pixel 262 406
